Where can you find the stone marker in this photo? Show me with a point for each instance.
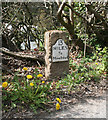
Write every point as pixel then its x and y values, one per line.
pixel 57 54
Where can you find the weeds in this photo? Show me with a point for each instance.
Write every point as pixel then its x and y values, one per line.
pixel 33 91
pixel 86 70
pixel 25 90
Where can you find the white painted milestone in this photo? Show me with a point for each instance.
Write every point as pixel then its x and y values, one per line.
pixel 59 51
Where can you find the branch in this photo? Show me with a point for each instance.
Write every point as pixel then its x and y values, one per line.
pixel 30 14
pixel 67 17
pixel 58 2
pixel 96 15
pixel 93 27
pixel 13 17
pixel 28 58
pixel 60 16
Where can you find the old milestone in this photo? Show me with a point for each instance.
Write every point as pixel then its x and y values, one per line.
pixel 57 54
pixel 59 51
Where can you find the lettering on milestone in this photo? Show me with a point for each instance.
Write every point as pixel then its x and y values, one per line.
pixel 59 51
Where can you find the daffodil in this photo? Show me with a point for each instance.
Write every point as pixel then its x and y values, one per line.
pixel 57 106
pixel 31 84
pixel 4 84
pixel 29 76
pixel 43 82
pixel 25 68
pixel 39 75
pixel 58 99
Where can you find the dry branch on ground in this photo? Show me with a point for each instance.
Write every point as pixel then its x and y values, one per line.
pixel 38 58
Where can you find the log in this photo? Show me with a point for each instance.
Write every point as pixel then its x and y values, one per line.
pixel 40 58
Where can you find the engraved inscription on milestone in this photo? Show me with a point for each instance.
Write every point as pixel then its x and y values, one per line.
pixel 59 51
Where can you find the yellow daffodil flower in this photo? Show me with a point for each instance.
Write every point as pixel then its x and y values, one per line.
pixel 29 76
pixel 25 68
pixel 58 99
pixel 31 84
pixel 57 106
pixel 96 63
pixel 4 84
pixel 39 75
pixel 43 82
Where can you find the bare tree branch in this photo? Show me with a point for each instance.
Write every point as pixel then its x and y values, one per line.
pixel 67 25
pixel 93 27
pixel 28 58
pixel 13 17
pixel 98 16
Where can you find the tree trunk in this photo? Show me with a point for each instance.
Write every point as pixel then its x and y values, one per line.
pixel 70 27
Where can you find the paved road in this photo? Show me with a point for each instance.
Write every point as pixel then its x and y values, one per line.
pixel 90 108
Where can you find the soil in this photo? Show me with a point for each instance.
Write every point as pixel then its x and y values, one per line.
pixel 93 107
pixel 90 105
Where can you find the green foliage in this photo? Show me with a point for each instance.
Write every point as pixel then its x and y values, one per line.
pixel 82 70
pixel 20 91
pixel 61 28
pixel 88 69
pixel 27 24
pixel 92 40
pixel 101 55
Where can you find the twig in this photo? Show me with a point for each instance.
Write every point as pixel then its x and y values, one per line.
pixel 13 18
